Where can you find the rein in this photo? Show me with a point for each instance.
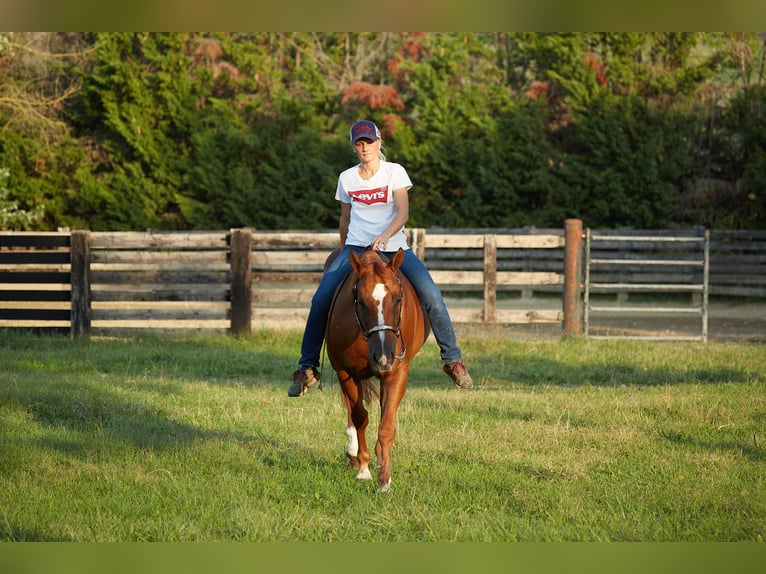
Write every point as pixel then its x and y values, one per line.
pixel 377 328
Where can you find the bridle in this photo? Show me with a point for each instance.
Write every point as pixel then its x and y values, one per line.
pixel 397 330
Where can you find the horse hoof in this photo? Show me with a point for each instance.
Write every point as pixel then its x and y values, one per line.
pixel 364 475
pixel 352 462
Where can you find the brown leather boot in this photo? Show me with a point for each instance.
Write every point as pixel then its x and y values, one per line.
pixel 459 374
pixel 303 378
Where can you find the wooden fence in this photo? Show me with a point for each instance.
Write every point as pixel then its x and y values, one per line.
pixel 104 282
pixel 109 282
pixel 80 281
pixel 738 263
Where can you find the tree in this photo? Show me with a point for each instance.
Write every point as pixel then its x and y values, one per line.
pixel 12 217
pixel 217 130
pixel 37 153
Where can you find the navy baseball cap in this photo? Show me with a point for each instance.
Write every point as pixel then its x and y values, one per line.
pixel 364 129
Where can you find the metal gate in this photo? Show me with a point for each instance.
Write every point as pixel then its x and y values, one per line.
pixel 656 266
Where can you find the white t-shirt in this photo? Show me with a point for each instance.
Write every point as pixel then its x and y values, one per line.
pixel 372 203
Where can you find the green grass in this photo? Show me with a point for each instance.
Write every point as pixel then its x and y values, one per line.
pixel 188 439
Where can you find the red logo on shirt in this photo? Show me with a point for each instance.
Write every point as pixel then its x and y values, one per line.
pixel 370 196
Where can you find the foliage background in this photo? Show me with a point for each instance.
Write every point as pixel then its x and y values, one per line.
pixel 129 131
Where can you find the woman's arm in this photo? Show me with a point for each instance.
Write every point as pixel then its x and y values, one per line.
pixel 345 218
pixel 402 209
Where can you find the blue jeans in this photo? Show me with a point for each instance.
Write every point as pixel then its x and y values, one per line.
pixel 413 268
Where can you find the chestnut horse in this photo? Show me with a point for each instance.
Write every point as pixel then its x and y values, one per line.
pixel 375 327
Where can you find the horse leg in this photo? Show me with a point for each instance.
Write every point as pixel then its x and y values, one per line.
pixel 357 453
pixel 391 393
pixel 352 442
pixel 360 419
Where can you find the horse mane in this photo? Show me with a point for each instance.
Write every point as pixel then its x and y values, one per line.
pixel 370 256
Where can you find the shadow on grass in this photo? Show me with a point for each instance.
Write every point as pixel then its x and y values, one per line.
pixel 210 359
pixel 63 393
pixel 268 358
pixel 490 374
pixel 743 447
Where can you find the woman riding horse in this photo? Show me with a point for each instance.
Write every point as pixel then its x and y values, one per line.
pixel 374 209
pixel 376 327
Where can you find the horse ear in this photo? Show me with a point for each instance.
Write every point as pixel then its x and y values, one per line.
pixel 355 261
pixel 396 261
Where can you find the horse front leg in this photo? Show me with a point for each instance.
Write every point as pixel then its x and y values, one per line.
pixel 352 443
pixel 392 390
pixel 357 453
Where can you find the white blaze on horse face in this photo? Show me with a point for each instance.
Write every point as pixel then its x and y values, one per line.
pixel 379 294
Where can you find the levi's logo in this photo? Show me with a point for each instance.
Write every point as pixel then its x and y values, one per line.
pixel 370 196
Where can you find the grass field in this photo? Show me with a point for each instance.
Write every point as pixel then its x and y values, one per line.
pixel 194 439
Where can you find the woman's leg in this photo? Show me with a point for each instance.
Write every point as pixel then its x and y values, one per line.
pixel 441 324
pixel 433 302
pixel 316 324
pixel 307 373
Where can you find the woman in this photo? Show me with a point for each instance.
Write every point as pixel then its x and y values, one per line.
pixel 374 209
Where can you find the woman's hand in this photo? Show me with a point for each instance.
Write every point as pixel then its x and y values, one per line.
pixel 379 243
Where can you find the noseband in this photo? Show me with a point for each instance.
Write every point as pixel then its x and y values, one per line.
pixel 377 328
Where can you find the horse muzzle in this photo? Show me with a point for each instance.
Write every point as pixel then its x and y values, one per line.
pixel 381 362
pixel 382 343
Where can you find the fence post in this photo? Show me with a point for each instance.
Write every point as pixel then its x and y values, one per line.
pixel 418 244
pixel 241 280
pixel 490 277
pixel 79 258
pixel 705 284
pixel 572 276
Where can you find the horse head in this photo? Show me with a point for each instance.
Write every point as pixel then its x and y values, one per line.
pixel 378 307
